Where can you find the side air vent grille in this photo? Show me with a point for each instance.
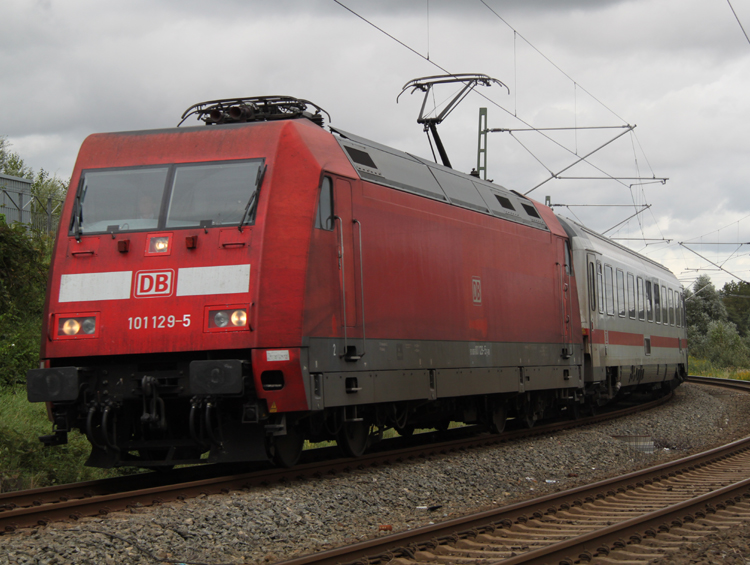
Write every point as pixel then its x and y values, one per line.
pixel 530 210
pixel 361 157
pixel 505 203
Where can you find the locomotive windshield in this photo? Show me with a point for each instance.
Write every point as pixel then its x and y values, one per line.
pixel 166 197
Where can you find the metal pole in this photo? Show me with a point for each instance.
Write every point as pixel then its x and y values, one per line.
pixel 482 145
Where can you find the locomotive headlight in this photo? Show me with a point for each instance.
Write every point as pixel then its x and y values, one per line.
pixel 158 244
pixel 88 325
pixel 71 327
pixel 239 318
pixel 75 326
pixel 221 319
pixel 228 318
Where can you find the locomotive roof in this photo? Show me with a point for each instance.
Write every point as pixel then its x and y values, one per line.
pixel 380 164
pixel 390 167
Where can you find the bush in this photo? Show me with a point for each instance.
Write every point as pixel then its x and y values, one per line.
pixel 23 278
pixel 721 346
pixel 24 461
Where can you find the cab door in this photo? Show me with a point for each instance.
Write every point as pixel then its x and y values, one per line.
pixel 344 228
pixel 349 236
pixel 564 269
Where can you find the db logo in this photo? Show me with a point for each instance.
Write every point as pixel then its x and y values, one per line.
pixel 153 283
pixel 476 290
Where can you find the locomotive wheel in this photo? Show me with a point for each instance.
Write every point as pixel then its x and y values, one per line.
pixel 499 416
pixel 353 438
pixel 574 410
pixel 287 449
pixel 443 425
pixel 406 431
pixel 528 418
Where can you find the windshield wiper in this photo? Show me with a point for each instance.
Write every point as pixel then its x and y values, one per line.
pixel 78 213
pixel 253 202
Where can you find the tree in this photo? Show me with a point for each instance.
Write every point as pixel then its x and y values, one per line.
pixel 737 302
pixel 703 305
pixel 44 186
pixel 11 162
pixel 24 263
pixel 23 277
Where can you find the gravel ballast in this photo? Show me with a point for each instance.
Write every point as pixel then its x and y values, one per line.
pixel 267 524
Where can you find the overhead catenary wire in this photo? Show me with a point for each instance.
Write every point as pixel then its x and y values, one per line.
pixel 540 131
pixel 738 21
pixel 487 98
pixel 714 264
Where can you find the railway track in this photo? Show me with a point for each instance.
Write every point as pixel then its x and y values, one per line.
pixel 635 518
pixel 45 505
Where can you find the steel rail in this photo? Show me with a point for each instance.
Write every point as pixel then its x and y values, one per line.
pixel 725 383
pixel 45 505
pixel 404 544
pixel 382 549
pixel 601 542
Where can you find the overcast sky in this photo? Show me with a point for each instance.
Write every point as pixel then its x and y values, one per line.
pixel 678 69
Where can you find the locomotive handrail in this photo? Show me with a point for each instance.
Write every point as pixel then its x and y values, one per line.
pixel 343 277
pixel 362 287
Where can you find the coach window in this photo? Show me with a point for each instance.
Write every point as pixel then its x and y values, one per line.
pixel 677 314
pixel 324 215
pixel 621 293
pixel 664 306
pixel 600 286
pixel 592 288
pixel 609 289
pixel 649 303
pixel 631 296
pixel 657 303
pixel 639 289
pixel 671 308
pixel 682 309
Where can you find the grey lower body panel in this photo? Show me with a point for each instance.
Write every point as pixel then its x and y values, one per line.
pixel 400 370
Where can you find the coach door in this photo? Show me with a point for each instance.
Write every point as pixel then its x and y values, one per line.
pixel 348 233
pixel 564 268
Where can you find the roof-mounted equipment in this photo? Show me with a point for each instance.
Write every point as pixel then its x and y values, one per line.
pixel 254 109
pixel 425 84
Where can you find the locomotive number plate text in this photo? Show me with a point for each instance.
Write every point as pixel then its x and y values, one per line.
pixel 157 322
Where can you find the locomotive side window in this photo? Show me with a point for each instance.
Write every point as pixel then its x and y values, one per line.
pixel 657 303
pixel 664 306
pixel 609 289
pixel 568 266
pixel 631 296
pixel 115 200
pixel 324 215
pixel 677 313
pixel 641 311
pixel 621 307
pixel 600 285
pixel 649 303
pixel 213 194
pixel 592 288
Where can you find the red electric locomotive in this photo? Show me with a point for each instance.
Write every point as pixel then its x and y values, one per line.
pixel 239 288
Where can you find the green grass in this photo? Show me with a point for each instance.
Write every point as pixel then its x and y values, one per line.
pixel 24 462
pixel 704 368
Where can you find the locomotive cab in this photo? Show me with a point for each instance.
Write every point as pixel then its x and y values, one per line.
pixel 162 341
